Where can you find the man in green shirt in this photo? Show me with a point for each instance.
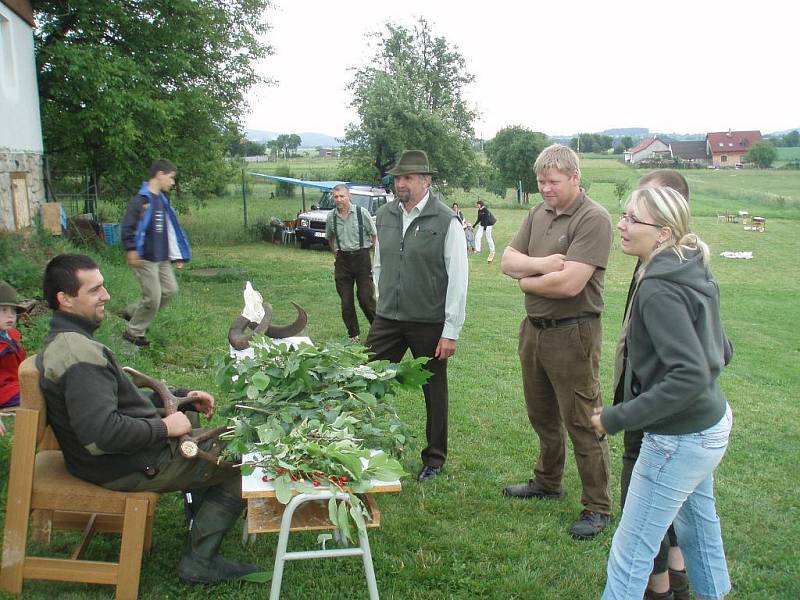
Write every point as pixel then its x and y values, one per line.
pixel 559 257
pixel 351 233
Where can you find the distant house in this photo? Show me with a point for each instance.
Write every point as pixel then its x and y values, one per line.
pixel 727 148
pixel 692 151
pixel 648 148
pixel 329 152
pixel 21 182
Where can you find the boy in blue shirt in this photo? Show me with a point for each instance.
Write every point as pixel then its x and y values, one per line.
pixel 153 240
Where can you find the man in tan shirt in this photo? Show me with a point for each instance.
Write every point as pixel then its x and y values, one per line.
pixel 351 233
pixel 559 256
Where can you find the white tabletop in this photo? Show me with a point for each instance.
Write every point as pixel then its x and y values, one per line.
pixel 254 486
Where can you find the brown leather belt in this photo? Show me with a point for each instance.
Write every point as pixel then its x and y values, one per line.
pixel 547 323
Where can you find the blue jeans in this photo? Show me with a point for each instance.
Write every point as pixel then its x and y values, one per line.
pixel 673 480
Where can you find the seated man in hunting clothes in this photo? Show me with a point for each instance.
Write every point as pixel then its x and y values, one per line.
pixel 113 436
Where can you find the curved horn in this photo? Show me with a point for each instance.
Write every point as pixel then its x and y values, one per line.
pixel 239 337
pixel 236 333
pixel 284 331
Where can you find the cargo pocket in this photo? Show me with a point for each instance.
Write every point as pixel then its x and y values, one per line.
pixel 585 401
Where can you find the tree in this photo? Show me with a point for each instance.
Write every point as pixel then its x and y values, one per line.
pixel 288 143
pixel 274 147
pixel 621 189
pixel 410 96
pixel 512 152
pixel 245 147
pixel 762 154
pixel 792 139
pixel 124 81
pixel 294 142
pixel 626 142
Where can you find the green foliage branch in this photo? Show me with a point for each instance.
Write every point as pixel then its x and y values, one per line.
pixel 318 419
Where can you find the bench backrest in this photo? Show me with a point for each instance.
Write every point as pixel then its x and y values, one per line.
pixel 31 397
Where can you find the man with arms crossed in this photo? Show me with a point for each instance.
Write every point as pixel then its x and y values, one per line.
pixel 559 256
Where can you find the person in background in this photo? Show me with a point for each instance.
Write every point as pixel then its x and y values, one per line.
pixel 676 350
pixel 153 240
pixel 559 255
pixel 669 571
pixel 468 233
pixel 351 233
pixel 484 223
pixel 421 274
pixel 11 351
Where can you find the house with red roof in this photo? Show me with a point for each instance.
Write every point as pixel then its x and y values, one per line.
pixel 648 148
pixel 727 148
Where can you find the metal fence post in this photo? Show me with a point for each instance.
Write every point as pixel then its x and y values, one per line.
pixel 244 198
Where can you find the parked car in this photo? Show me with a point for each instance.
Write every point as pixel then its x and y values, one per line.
pixel 311 224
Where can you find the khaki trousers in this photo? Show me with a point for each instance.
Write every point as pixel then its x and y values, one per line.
pixel 157 280
pixel 560 378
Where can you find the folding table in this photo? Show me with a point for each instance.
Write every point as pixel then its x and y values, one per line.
pixel 310 513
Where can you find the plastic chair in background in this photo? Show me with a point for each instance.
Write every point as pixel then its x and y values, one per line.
pixel 289 232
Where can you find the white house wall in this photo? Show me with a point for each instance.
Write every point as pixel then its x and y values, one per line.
pixel 656 146
pixel 21 181
pixel 20 126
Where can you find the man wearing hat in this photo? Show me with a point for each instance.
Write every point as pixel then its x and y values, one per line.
pixel 420 273
pixel 11 351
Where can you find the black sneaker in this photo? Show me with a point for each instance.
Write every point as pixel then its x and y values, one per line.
pixel 588 525
pixel 531 489
pixel 137 340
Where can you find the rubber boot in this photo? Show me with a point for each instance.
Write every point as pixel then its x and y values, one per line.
pixel 201 562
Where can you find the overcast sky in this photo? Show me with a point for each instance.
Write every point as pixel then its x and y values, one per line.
pixel 557 67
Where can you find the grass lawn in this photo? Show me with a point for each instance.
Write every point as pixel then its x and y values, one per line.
pixel 457 537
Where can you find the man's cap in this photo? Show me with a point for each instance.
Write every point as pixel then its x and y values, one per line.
pixel 412 162
pixel 8 297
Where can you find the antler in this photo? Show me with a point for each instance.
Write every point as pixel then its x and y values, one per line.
pixel 188 446
pixel 239 337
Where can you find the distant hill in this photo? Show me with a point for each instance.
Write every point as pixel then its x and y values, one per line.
pixel 784 132
pixel 310 139
pixel 623 131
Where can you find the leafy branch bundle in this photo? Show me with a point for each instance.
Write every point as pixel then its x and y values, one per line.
pixel 319 418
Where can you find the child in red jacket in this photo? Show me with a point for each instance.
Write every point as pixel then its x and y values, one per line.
pixel 11 351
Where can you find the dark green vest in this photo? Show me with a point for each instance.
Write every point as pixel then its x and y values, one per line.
pixel 413 278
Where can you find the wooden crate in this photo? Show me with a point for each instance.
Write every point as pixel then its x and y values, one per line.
pixel 264 515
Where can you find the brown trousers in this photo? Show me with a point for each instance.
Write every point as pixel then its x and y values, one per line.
pixel 349 268
pixel 389 340
pixel 560 378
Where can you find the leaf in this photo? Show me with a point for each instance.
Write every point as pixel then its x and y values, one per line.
pixel 358 516
pixel 344 522
pixel 283 489
pixel 253 392
pixel 333 513
pixel 260 380
pixel 257 577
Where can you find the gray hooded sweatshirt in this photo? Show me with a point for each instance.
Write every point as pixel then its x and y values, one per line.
pixel 677 348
